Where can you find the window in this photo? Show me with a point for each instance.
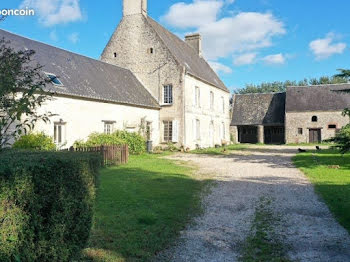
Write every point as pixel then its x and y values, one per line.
pixel 211 100
pixel 314 119
pixel 223 132
pixel 223 104
pixel 332 126
pixel 300 131
pixel 108 127
pixel 53 78
pixel 198 129
pixel 59 132
pixel 115 55
pixel 168 94
pixel 197 97
pixel 168 131
pixel 151 50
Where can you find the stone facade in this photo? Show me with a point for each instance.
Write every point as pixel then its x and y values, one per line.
pixel 298 125
pixel 135 45
pixel 132 43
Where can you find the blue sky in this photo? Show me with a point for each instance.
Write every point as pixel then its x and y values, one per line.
pixel 246 41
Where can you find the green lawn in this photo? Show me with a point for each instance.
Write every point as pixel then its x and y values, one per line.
pixel 219 151
pixel 331 182
pixel 141 207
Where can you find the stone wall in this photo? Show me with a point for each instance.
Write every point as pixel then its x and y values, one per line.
pixel 296 120
pixel 138 48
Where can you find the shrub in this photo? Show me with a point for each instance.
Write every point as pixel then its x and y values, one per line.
pixel 46 204
pixel 38 141
pixel 135 142
pixel 342 139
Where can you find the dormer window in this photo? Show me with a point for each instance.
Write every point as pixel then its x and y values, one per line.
pixel 54 79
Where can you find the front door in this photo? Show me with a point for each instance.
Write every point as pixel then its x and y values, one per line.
pixel 315 136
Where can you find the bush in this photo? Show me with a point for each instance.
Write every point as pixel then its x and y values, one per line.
pixel 135 142
pixel 46 204
pixel 342 139
pixel 38 141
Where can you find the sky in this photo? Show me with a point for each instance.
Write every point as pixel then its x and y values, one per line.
pixel 245 41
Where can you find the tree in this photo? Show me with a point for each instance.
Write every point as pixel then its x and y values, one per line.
pixel 21 93
pixel 342 138
pixel 344 73
pixel 277 86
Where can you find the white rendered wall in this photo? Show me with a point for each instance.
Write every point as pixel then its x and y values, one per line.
pixel 83 117
pixel 205 114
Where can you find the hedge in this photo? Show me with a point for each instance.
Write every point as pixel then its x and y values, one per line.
pixel 46 204
pixel 135 142
pixel 33 141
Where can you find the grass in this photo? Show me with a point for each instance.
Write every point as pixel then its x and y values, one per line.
pixel 330 173
pixel 219 151
pixel 264 244
pixel 311 144
pixel 141 207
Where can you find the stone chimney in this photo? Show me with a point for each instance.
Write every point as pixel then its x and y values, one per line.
pixel 134 7
pixel 195 41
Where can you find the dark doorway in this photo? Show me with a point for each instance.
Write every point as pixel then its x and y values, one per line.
pixel 315 136
pixel 248 134
pixel 274 135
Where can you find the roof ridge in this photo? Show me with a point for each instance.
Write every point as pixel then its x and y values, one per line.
pixel 224 88
pixel 65 50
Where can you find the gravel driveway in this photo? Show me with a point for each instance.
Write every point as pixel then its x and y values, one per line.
pixel 243 177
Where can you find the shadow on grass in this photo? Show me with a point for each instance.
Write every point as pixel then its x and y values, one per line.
pixel 330 173
pixel 141 210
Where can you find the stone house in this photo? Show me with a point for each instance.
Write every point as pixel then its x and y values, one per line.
pixel 194 101
pixel 308 114
pixel 258 118
pixel 314 114
pixel 89 95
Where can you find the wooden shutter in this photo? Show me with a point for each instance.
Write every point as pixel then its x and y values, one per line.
pixel 175 131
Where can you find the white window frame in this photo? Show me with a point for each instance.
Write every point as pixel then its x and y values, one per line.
pixel 108 127
pixel 53 77
pixel 168 132
pixel 197 96
pixel 198 129
pixel 211 100
pixel 223 131
pixel 60 133
pixel 223 104
pixel 168 97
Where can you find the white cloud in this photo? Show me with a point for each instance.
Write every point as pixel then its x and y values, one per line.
pixel 234 34
pixel 198 13
pixel 53 12
pixel 74 38
pixel 245 59
pixel 278 59
pixel 218 67
pixel 325 47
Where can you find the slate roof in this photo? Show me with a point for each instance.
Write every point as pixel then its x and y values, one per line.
pixel 187 56
pixel 317 98
pixel 259 109
pixel 85 77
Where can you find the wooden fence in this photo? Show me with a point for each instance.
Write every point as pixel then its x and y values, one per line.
pixel 111 155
